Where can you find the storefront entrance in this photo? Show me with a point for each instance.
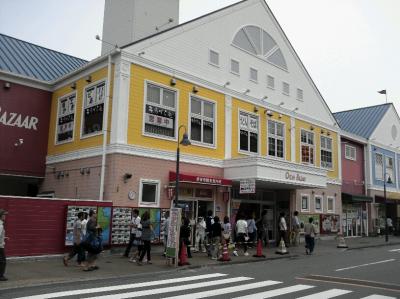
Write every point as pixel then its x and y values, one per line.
pixel 354 220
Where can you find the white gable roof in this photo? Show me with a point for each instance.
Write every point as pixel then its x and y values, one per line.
pixel 186 48
pixel 387 132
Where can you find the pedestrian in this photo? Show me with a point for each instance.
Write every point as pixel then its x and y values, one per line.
pixel 252 229
pixel 165 230
pixel 226 230
pixel 282 228
pixel 184 236
pixel 296 228
pixel 84 223
pixel 3 239
pixel 309 234
pixel 77 239
pixel 135 222
pixel 389 222
pixel 209 222
pixel 200 235
pixel 92 242
pixel 262 228
pixel 147 235
pixel 216 232
pixel 241 234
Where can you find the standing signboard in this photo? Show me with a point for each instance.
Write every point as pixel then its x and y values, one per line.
pixel 173 234
pixel 247 186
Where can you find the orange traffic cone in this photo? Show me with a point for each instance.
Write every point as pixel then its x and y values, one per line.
pixel 183 256
pixel 225 254
pixel 259 249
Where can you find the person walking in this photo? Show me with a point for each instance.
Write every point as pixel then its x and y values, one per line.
pixel 209 222
pixel 226 230
pixel 296 228
pixel 84 223
pixel 252 229
pixel 93 232
pixel 200 235
pixel 282 228
pixel 165 230
pixel 147 234
pixel 309 234
pixel 77 239
pixel 216 233
pixel 134 224
pixel 3 238
pixel 241 234
pixel 184 236
pixel 262 229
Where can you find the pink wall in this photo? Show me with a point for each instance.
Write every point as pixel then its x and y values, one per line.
pixel 353 171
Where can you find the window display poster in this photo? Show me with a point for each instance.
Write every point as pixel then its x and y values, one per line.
pixel 304 219
pixel 329 223
pixel 104 221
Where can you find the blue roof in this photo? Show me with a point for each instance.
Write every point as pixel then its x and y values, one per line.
pixel 361 121
pixel 26 59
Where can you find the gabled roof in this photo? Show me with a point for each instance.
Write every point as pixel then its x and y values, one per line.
pixel 361 121
pixel 26 59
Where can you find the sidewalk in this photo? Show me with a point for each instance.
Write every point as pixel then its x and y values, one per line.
pixel 49 270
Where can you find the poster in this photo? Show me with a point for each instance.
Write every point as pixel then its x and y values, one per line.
pixel 304 219
pixel 330 223
pixel 104 221
pixel 72 215
pixel 173 233
pixel 120 230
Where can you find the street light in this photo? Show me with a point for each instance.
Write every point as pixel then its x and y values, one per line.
pixel 185 142
pixel 389 181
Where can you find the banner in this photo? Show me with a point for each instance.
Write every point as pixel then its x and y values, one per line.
pixel 173 233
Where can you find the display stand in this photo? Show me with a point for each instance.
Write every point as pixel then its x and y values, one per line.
pixel 173 236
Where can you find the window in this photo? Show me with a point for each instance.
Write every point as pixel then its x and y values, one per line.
pixel 389 168
pixel 160 111
pixel 276 139
pixel 149 192
pixel 66 117
pixel 202 121
pixel 270 82
pixel 326 152
pixel 93 109
pixel 285 88
pixel 299 94
pixel 331 204
pixel 350 152
pixel 379 166
pixel 305 203
pixel 214 58
pixel 318 203
pixel 248 132
pixel 307 147
pixel 235 67
pixel 253 75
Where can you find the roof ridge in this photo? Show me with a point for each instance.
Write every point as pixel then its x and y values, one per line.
pixel 362 108
pixel 48 49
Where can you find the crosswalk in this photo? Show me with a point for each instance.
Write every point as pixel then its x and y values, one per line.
pixel 205 286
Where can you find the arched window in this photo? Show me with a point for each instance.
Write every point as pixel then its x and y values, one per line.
pixel 256 41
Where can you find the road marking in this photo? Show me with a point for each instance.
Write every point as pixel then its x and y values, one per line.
pixel 326 294
pixel 136 293
pixel 365 265
pixel 123 287
pixel 226 290
pixel 277 292
pixel 394 250
pixel 378 297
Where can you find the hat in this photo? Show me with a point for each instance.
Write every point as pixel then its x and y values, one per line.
pixel 3 212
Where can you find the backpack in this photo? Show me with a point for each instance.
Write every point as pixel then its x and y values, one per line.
pixel 92 243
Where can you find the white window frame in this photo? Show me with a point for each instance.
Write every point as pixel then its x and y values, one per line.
pixel 67 96
pixel 101 81
pixel 283 88
pixel 210 52
pixel 351 149
pixel 269 77
pixel 321 198
pixel 252 69
pixel 387 168
pixel 306 144
pixel 157 199
pixel 300 95
pixel 258 133
pixel 305 196
pixel 328 198
pixel 147 134
pixel 381 171
pixel 327 150
pixel 232 71
pixel 199 143
pixel 276 137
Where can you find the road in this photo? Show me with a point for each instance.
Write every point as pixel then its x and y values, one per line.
pixel 372 273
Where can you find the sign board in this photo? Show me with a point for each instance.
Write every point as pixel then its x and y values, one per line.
pixel 247 186
pixel 175 216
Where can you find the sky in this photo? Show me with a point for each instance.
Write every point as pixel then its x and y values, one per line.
pixel 351 48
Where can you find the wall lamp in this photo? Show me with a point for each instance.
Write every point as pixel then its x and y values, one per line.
pixel 73 85
pixel 227 83
pixel 328 133
pixel 7 85
pixel 322 131
pixel 195 89
pixel 281 104
pixel 247 91
pixel 295 109
pixel 127 176
pixel 264 98
pixel 19 142
pixel 312 128
pixel 172 82
pixel 88 79
pixel 269 113
pixel 141 53
pixel 255 109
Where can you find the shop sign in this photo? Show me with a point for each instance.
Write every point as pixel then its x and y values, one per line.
pixel 173 233
pixel 199 179
pixel 13 119
pixel 203 193
pixel 247 186
pixel 295 177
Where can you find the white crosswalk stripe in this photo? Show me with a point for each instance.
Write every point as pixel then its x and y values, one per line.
pixel 378 297
pixel 326 294
pixel 395 250
pixel 223 291
pixel 277 292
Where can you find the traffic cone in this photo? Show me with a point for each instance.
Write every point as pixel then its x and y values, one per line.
pixel 281 248
pixel 342 242
pixel 259 249
pixel 225 254
pixel 183 259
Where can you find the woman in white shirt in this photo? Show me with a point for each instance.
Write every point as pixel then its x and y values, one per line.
pixel 241 233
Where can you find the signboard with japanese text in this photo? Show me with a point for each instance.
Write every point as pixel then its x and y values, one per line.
pixel 173 234
pixel 247 186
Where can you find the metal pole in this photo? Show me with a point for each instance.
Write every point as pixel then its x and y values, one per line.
pixel 384 196
pixel 177 176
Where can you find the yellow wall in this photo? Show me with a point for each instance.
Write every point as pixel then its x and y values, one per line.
pixel 333 173
pixel 139 75
pixel 77 142
pixel 238 105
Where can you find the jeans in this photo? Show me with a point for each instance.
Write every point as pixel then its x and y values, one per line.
pixel 130 244
pixel 216 242
pixel 282 236
pixel 77 250
pixel 310 242
pixel 2 262
pixel 146 249
pixel 241 241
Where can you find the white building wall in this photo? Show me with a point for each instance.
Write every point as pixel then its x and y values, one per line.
pixel 387 133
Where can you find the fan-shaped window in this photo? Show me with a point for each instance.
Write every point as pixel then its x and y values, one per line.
pixel 256 41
